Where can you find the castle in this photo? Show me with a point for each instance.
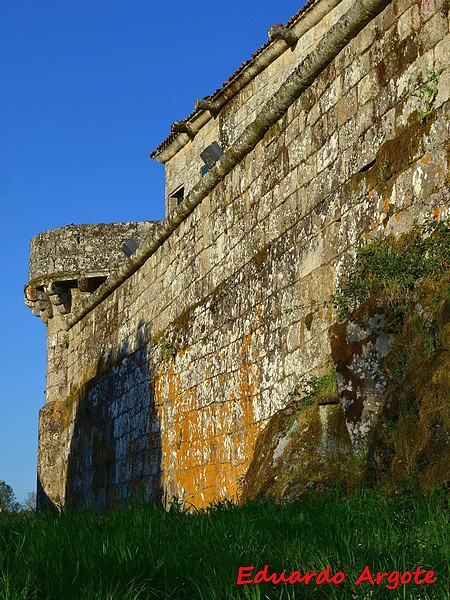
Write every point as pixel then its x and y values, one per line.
pixel 171 344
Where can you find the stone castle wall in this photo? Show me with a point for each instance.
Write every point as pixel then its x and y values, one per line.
pixel 164 381
pixel 184 167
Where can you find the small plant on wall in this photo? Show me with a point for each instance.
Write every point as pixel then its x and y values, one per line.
pixel 395 268
pixel 65 340
pixel 169 342
pixel 427 92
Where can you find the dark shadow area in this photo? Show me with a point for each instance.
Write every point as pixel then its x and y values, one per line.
pixel 115 449
pixel 43 502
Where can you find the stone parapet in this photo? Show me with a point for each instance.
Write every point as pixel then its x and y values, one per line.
pixel 71 262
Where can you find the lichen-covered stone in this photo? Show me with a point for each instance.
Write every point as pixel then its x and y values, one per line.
pixel 161 377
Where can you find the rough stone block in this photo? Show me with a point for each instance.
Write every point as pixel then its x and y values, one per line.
pixel 184 362
pixel 368 88
pixel 433 31
pixel 409 23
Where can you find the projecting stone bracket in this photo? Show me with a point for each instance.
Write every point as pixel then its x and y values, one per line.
pixel 38 301
pixel 60 296
pixel 69 263
pixel 280 32
pixel 47 299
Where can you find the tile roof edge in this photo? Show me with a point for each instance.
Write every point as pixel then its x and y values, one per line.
pixel 354 20
pixel 248 70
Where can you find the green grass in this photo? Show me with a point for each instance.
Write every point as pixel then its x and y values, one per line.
pixel 145 552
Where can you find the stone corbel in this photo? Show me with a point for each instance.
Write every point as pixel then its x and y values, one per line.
pixel 39 303
pixel 280 32
pixel 60 297
pixel 182 127
pixel 208 104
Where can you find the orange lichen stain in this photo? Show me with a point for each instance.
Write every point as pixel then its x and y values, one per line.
pixel 436 169
pixel 54 409
pixel 190 428
pixel 372 225
pixel 190 398
pixel 246 386
pixel 259 311
pixel 178 430
pixel 436 213
pixel 386 206
pixel 182 477
pixel 441 173
pixel 246 344
pixel 408 203
pixel 168 391
pixel 397 216
pixel 425 159
pixel 181 352
pixel 174 387
pixel 370 194
pixel 207 496
pixel 204 450
pixel 207 472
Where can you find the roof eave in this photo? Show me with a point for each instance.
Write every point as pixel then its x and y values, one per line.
pixel 308 16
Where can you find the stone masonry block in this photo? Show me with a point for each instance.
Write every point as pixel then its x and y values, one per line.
pixel 183 364
pixel 331 94
pixel 347 106
pixel 441 52
pixel 356 70
pixel 368 88
pixel 409 23
pixel 427 9
pixel 433 31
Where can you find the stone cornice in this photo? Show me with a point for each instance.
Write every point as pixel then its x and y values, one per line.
pixel 308 17
pixel 348 26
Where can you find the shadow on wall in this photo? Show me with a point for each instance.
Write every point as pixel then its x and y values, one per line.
pixel 44 503
pixel 115 449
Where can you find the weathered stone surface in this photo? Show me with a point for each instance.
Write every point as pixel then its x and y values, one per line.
pixel 357 352
pixel 82 249
pixel 69 261
pixel 169 371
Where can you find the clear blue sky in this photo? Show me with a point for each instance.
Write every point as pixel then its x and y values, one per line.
pixel 88 89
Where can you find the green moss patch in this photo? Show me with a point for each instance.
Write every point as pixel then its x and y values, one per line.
pixel 306 447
